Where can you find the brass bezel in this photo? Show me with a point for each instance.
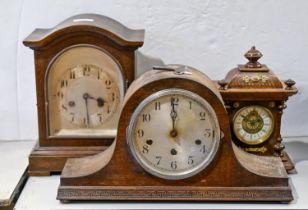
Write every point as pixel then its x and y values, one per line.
pixel 257 141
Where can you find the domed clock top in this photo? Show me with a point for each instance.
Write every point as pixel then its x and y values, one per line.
pixel 87 23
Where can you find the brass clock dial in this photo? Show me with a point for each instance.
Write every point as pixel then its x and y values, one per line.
pixel 174 134
pixel 253 124
pixel 85 88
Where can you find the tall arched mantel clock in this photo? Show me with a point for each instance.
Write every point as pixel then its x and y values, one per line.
pixel 83 67
pixel 255 99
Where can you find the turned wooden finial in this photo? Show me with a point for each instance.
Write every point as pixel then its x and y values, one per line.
pixel 223 84
pixel 253 55
pixel 290 83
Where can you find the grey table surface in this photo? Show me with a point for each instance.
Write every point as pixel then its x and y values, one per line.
pixel 13 162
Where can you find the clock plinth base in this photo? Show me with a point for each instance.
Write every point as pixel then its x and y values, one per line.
pixel 179 193
pixel 287 162
pixel 43 160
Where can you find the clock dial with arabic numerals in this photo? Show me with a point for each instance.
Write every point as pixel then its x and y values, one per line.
pixel 83 66
pixel 174 134
pixel 84 93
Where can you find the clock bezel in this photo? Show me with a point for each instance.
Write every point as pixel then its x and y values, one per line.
pixel 261 140
pixel 49 67
pixel 188 173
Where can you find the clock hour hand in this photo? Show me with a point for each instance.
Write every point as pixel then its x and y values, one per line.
pixel 85 97
pixel 173 115
pixel 100 101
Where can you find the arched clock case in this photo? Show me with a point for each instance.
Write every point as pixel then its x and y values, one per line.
pixel 158 155
pixel 83 67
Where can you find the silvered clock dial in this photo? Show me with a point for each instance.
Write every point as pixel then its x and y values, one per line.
pixel 85 89
pixel 174 134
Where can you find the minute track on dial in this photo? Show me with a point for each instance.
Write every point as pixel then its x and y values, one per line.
pixel 182 147
pixel 253 125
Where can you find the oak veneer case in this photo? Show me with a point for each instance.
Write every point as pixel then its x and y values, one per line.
pixel 126 171
pixel 255 86
pixel 71 44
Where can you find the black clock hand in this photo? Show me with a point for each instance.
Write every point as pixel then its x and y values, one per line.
pixel 85 97
pixel 173 115
pixel 100 101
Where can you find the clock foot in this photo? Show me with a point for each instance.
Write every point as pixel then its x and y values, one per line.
pixel 287 162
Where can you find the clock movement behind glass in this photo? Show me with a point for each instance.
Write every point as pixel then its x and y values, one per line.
pixel 174 143
pixel 83 67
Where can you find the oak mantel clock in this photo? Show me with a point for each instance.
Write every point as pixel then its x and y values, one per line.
pixel 255 99
pixel 82 67
pixel 174 143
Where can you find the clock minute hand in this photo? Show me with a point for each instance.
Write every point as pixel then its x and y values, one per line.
pixel 173 115
pixel 85 97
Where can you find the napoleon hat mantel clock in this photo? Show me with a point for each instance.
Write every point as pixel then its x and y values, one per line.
pixel 82 67
pixel 174 143
pixel 255 99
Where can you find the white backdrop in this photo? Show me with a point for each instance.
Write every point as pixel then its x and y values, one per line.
pixel 209 35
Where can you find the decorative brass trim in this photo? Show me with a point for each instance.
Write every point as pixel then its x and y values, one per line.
pixel 256 149
pixel 255 78
pixel 236 105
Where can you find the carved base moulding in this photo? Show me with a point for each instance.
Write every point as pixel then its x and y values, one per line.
pixel 174 193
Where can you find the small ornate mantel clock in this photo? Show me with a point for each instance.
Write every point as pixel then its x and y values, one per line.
pixel 255 100
pixel 174 143
pixel 83 67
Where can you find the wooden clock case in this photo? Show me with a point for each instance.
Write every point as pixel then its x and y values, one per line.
pixel 256 84
pixel 233 175
pixel 50 154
